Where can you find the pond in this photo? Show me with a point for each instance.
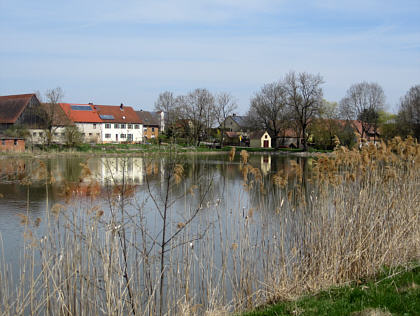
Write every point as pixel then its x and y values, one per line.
pixel 216 219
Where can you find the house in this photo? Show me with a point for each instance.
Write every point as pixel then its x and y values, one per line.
pixel 19 110
pixel 289 138
pixel 105 123
pixel 151 122
pixel 8 144
pixel 260 139
pixel 236 123
pixel 119 124
pixel 86 118
pixel 59 121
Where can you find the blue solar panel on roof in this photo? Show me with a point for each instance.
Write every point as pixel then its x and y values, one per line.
pixel 81 108
pixel 106 117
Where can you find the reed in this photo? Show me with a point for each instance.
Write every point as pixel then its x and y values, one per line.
pixel 352 213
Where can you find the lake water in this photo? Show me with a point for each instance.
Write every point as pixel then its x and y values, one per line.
pixel 225 198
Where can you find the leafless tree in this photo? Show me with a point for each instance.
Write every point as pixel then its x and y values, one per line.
pixel 409 112
pixel 268 109
pixel 197 110
pixel 166 103
pixel 363 102
pixel 304 99
pixel 49 111
pixel 225 105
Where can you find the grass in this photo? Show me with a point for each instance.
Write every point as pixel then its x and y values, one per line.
pixel 396 291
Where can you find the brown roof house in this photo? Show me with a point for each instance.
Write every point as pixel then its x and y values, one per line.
pixel 53 126
pixel 20 110
pixel 151 124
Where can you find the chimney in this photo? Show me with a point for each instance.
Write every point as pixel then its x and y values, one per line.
pixel 121 106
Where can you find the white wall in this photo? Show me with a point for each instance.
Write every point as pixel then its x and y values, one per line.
pixel 91 132
pixel 38 136
pixel 113 132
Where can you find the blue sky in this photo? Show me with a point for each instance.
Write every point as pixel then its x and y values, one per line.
pixel 129 51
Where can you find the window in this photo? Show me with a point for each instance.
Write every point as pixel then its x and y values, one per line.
pixel 107 125
pixel 94 126
pixel 130 126
pixel 130 137
pixel 55 134
pixel 2 142
pixel 153 129
pixel 145 129
pixel 137 126
pixel 107 135
pixel 116 126
pixel 15 142
pixel 97 134
pixel 90 134
pixel 122 125
pixel 34 133
pixel 123 135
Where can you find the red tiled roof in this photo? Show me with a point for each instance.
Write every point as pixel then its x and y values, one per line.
pixel 126 114
pixel 81 116
pixel 12 106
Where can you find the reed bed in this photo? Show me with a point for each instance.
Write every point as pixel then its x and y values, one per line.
pixel 340 220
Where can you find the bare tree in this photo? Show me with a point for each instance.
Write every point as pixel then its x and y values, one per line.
pixel 50 111
pixel 166 103
pixel 363 102
pixel 225 105
pixel 197 110
pixel 409 112
pixel 268 109
pixel 304 98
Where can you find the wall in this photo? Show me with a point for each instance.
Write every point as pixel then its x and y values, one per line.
pixel 150 132
pixel 17 145
pixel 113 131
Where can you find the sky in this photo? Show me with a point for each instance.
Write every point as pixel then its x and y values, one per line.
pixel 112 52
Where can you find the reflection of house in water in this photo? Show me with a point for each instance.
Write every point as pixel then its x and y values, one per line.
pixel 117 170
pixel 265 164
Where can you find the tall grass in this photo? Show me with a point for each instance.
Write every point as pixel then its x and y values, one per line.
pixel 354 212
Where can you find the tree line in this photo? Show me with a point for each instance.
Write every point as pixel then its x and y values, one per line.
pixel 295 102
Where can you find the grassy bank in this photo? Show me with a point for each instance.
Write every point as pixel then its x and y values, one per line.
pixel 395 291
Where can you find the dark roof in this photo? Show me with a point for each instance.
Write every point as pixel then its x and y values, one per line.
pixel 12 106
pixel 257 134
pixel 59 118
pixel 240 120
pixel 148 118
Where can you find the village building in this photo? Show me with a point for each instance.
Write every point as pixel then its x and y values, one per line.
pixel 260 139
pixel 105 123
pixel 120 124
pixel 236 123
pixel 86 119
pixel 151 123
pixel 11 144
pixel 56 134
pixel 22 110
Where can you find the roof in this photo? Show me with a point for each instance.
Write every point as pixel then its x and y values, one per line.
pixel 124 114
pixel 289 133
pixel 148 118
pixel 12 106
pixel 232 134
pixel 2 136
pixel 59 118
pixel 81 116
pixel 240 120
pixel 257 134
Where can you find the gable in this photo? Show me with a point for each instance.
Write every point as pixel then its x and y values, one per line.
pixel 12 106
